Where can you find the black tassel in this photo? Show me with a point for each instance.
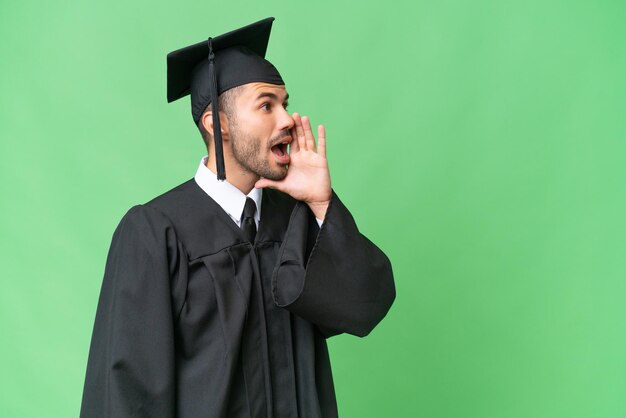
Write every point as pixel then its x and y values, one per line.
pixel 217 131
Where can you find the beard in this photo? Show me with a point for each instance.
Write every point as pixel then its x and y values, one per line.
pixel 248 152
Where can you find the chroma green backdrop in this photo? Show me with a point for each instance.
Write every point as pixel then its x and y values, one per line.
pixel 480 144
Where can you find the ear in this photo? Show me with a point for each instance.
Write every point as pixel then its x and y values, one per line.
pixel 207 122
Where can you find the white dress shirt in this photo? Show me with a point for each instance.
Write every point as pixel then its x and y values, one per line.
pixel 230 198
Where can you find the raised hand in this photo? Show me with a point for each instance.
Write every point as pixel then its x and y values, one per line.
pixel 308 178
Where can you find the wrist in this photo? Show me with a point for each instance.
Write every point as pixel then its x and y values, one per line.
pixel 319 208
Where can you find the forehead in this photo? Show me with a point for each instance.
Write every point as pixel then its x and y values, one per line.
pixel 254 91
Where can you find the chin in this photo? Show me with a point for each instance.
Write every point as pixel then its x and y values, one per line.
pixel 276 174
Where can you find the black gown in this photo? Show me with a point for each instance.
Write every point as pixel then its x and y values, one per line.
pixel 194 321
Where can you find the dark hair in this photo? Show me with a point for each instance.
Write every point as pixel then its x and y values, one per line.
pixel 226 103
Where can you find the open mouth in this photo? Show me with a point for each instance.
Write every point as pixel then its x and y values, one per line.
pixel 280 150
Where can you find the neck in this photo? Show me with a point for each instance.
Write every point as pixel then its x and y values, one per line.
pixel 235 175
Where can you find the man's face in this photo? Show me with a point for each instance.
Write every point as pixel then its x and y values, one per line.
pixel 260 130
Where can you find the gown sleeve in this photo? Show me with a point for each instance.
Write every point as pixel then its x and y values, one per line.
pixel 130 371
pixel 332 276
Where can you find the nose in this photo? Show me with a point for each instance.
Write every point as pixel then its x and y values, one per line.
pixel 285 121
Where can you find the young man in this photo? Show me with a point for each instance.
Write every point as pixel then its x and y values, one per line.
pixel 218 295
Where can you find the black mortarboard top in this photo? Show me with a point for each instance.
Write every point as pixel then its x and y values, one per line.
pixel 207 69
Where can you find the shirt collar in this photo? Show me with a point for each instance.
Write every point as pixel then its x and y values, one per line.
pixel 230 198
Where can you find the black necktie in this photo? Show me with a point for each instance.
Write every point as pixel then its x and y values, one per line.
pixel 248 225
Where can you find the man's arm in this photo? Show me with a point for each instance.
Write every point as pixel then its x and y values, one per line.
pixel 345 283
pixel 130 372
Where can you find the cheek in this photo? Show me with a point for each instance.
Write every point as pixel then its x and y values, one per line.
pixel 251 123
pixel 257 125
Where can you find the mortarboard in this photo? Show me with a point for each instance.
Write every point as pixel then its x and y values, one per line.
pixel 207 69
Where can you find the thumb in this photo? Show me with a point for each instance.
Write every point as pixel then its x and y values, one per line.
pixel 262 183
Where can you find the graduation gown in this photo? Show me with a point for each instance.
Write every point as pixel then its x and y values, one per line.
pixel 194 321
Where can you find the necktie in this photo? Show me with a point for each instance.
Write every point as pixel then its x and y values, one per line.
pixel 248 226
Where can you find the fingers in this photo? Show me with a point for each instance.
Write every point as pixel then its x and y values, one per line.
pixel 308 134
pixel 294 146
pixel 304 138
pixel 321 140
pixel 300 132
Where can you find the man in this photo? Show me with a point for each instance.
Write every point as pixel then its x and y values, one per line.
pixel 218 295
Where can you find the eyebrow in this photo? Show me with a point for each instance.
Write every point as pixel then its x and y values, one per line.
pixel 271 96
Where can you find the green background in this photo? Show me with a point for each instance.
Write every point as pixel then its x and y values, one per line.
pixel 480 144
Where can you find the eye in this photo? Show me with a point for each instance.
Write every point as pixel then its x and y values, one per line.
pixel 266 106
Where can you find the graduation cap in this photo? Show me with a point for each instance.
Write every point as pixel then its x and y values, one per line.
pixel 207 69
